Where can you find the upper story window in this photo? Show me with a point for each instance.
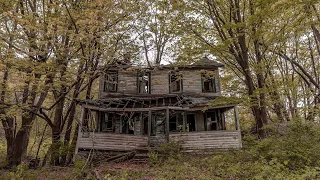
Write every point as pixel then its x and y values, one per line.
pixel 144 83
pixel 111 81
pixel 175 82
pixel 208 82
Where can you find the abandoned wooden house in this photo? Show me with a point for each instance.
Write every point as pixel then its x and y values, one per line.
pixel 145 107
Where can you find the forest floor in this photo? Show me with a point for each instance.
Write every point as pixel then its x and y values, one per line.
pixel 185 167
pixel 122 170
pixel 290 155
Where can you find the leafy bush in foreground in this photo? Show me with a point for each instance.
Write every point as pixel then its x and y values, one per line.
pixel 293 155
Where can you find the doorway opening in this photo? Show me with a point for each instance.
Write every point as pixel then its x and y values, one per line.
pixel 191 122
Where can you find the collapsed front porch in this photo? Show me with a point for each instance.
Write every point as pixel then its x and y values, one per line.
pixel 127 129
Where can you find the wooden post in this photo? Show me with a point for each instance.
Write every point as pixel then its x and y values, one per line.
pixel 167 123
pixel 184 120
pixel 236 117
pixel 120 130
pixel 149 126
pixel 98 123
pixel 223 120
pixel 79 132
pixel 141 124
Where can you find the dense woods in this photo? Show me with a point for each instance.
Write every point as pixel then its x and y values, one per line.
pixel 51 53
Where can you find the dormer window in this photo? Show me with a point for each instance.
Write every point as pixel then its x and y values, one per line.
pixel 144 83
pixel 208 83
pixel 111 81
pixel 175 79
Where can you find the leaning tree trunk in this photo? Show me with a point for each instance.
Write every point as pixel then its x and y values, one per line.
pixel 71 147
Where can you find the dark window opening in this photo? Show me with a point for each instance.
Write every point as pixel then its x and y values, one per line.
pixel 144 83
pixel 176 122
pixel 127 126
pixel 107 120
pixel 110 81
pixel 173 123
pixel 175 82
pixel 191 122
pixel 180 122
pixel 85 123
pixel 145 125
pixel 208 83
pixel 153 126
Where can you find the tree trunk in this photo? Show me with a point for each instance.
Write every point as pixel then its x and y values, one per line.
pixel 20 143
pixel 8 126
pixel 56 131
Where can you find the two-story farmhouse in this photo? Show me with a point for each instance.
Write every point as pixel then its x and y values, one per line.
pixel 144 107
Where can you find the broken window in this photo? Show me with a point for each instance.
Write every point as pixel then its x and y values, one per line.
pixel 144 83
pixel 208 83
pixel 111 81
pixel 213 121
pixel 107 120
pixel 127 125
pixel 173 124
pixel 175 80
pixel 176 122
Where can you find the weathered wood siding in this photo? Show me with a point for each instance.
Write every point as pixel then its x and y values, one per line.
pixel 127 84
pixel 160 82
pixel 207 140
pixel 199 121
pixel 192 82
pixel 192 141
pixel 111 141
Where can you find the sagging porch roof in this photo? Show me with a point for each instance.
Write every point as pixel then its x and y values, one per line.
pixel 153 102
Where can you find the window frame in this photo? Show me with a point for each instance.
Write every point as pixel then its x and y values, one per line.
pixel 178 119
pixel 213 80
pixel 105 119
pixel 115 82
pixel 175 73
pixel 141 74
pixel 216 120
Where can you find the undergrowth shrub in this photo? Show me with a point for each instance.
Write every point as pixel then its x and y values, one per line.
pixel 292 155
pixel 165 152
pixel 80 168
pixel 21 172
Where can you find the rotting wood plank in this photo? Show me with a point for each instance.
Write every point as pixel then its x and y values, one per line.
pixel 205 139
pixel 92 107
pixel 112 141
pixel 117 144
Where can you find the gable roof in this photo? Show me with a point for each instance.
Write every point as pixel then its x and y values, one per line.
pixel 205 61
